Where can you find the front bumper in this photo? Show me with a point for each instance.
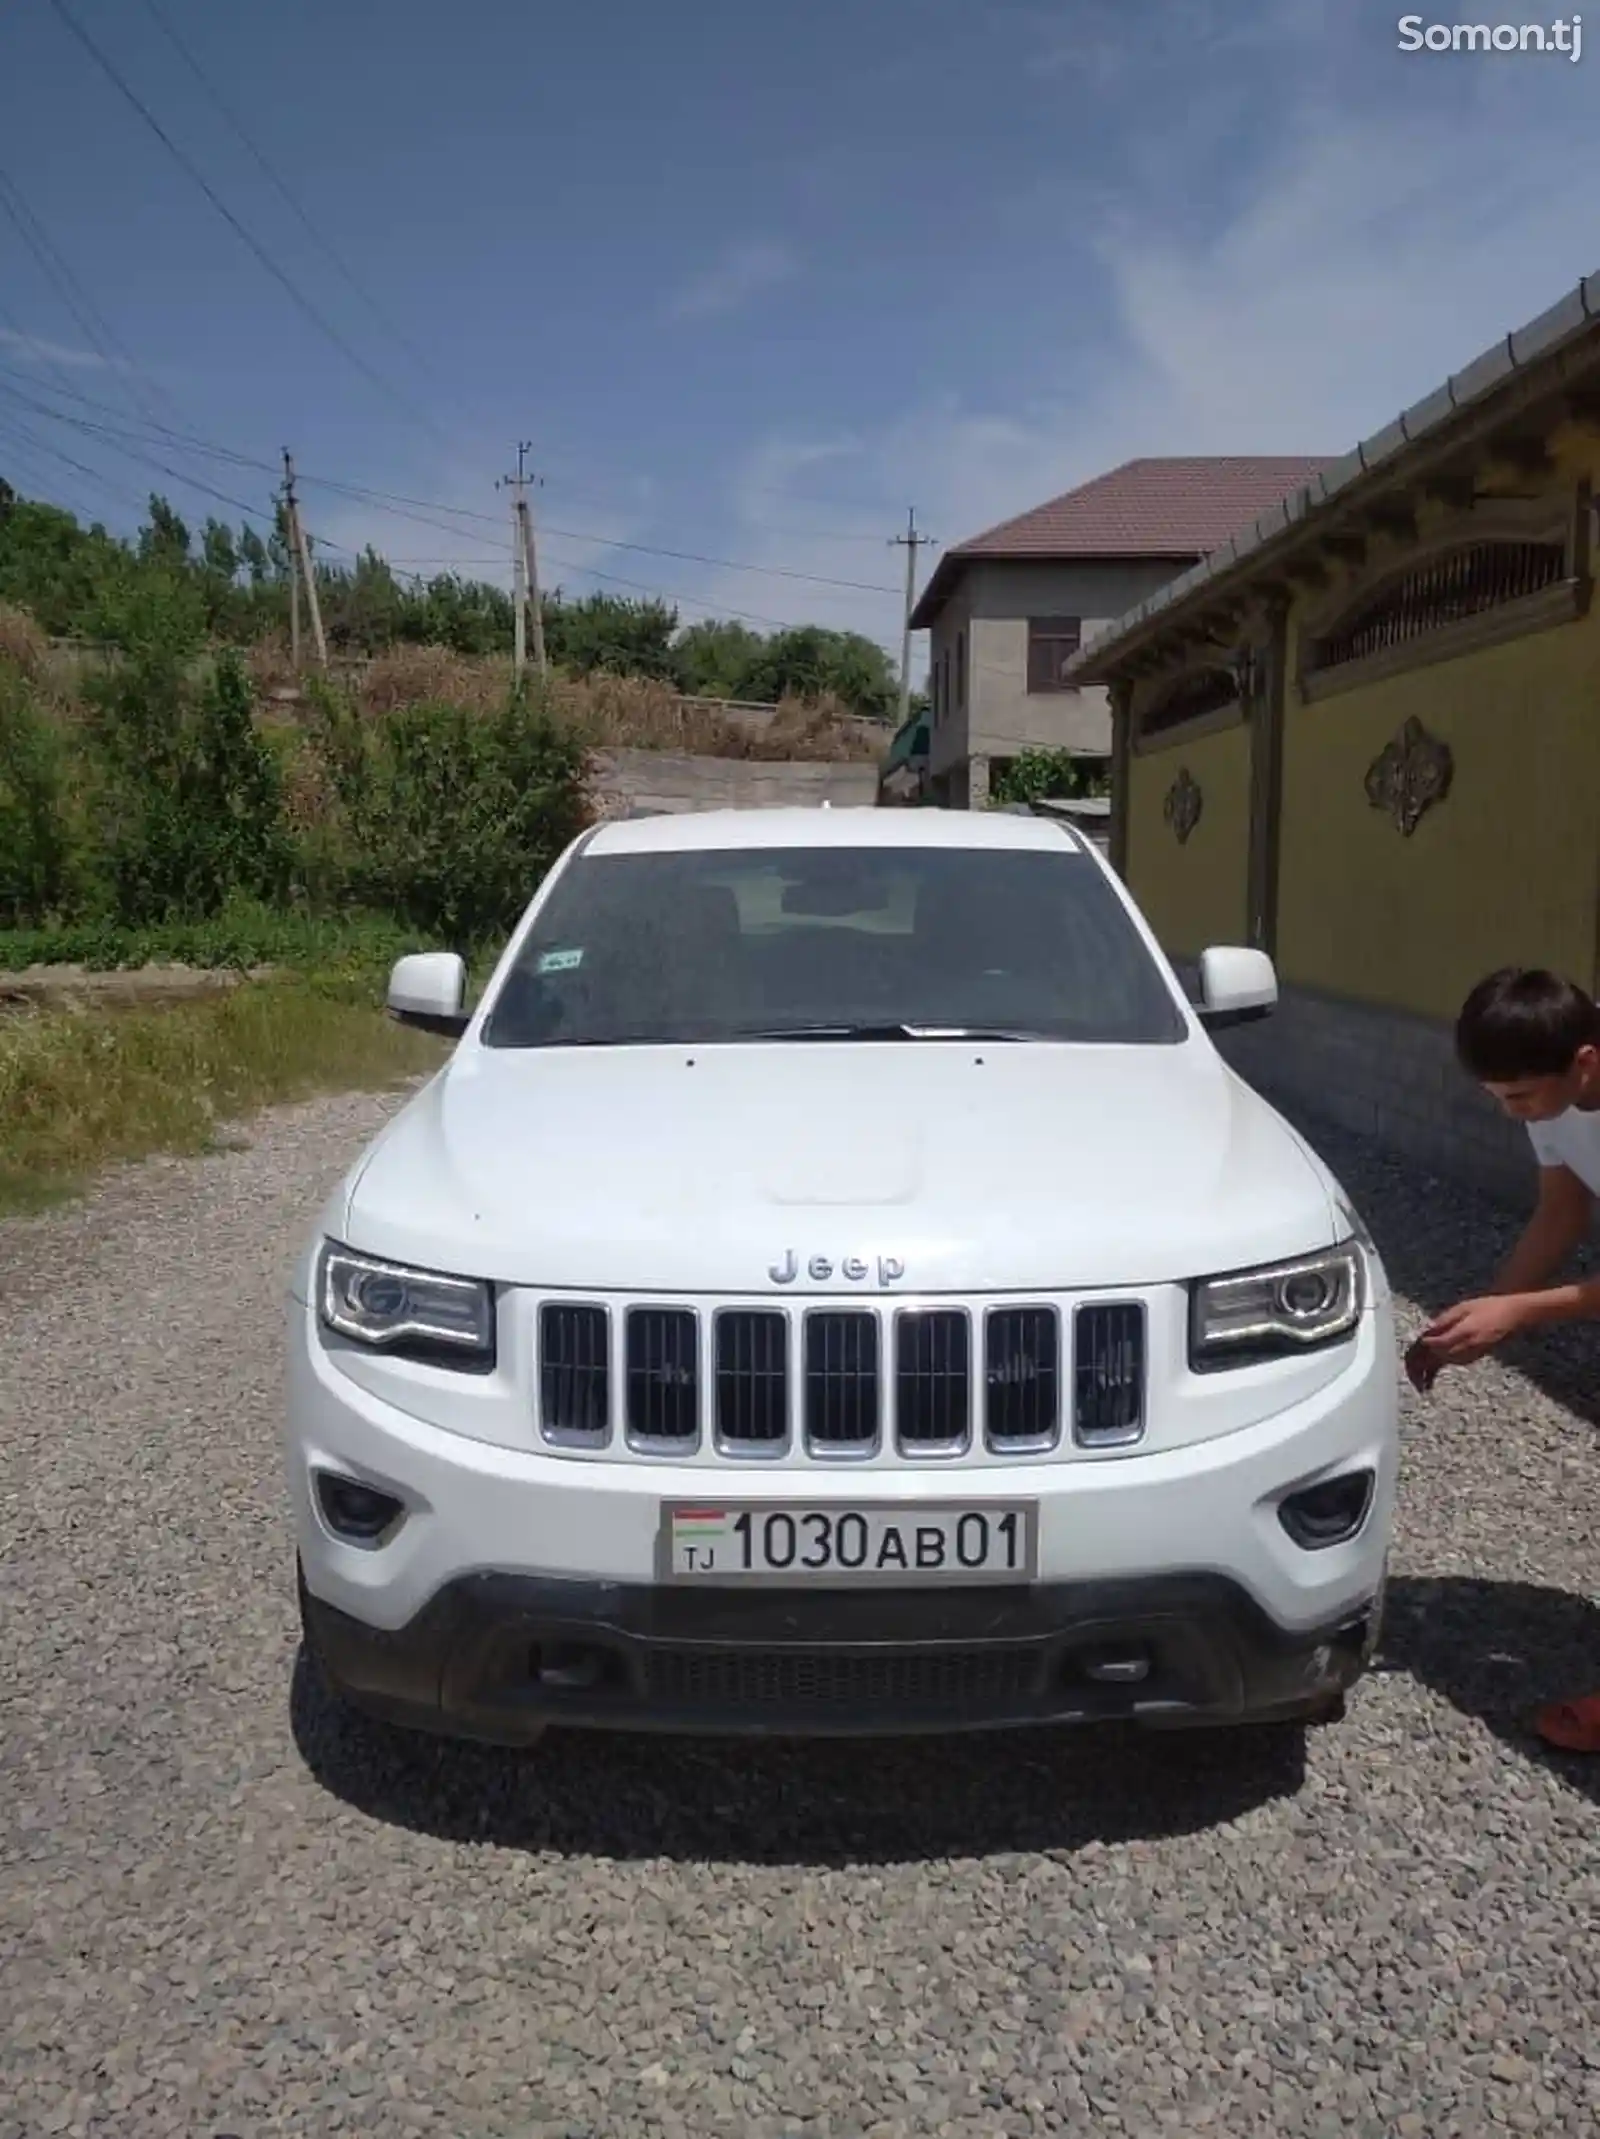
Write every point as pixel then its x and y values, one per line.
pixel 500 1658
pixel 523 1587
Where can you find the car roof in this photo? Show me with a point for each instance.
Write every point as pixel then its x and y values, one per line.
pixel 692 831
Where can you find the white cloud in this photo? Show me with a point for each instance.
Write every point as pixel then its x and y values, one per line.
pixel 740 274
pixel 1093 40
pixel 33 348
pixel 1371 259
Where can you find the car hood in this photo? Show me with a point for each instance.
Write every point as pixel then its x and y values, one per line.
pixel 971 1168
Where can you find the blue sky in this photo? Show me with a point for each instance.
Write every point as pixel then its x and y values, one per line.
pixel 752 279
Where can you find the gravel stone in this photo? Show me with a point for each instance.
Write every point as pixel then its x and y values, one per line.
pixel 226 1911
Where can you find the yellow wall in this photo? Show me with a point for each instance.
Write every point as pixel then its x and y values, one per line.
pixel 1193 895
pixel 1504 871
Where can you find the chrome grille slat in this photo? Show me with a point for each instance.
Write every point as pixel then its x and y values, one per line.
pixel 663 1376
pixel 752 1378
pixel 933 1379
pixel 575 1373
pixel 843 1377
pixel 1022 1378
pixel 1108 1374
pixel 748 1381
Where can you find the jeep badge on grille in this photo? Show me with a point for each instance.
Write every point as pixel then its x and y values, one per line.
pixel 820 1268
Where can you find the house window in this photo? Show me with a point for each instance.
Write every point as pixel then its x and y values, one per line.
pixel 961 670
pixel 1052 641
pixel 944 662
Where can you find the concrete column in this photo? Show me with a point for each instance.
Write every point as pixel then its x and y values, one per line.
pixel 1266 782
pixel 1121 755
pixel 977 783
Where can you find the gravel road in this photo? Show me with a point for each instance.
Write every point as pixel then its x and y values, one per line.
pixel 223 1912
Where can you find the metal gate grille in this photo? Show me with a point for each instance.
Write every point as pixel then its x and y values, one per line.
pixel 1466 583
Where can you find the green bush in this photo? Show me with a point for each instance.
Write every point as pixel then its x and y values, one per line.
pixel 189 803
pixel 1046 776
pixel 449 818
pixel 37 842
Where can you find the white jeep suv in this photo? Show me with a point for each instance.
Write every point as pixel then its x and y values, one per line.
pixel 835 1284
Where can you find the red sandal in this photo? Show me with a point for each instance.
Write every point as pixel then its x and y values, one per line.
pixel 1573 1726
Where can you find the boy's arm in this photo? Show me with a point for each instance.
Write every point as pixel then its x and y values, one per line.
pixel 1561 1218
pixel 1522 1296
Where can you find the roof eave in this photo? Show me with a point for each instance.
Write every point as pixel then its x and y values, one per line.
pixel 950 568
pixel 1533 357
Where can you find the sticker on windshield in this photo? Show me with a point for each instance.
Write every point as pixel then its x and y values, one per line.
pixel 560 961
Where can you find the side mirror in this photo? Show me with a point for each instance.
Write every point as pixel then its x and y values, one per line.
pixel 429 990
pixel 1237 986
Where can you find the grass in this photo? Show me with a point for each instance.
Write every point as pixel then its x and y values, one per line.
pixel 81 1092
pixel 244 936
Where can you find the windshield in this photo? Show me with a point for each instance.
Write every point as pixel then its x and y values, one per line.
pixel 829 942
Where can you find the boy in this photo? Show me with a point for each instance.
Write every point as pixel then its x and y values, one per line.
pixel 1532 1040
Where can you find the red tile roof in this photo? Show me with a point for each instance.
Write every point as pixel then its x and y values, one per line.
pixel 1177 508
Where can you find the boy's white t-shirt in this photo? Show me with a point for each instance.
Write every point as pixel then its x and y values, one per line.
pixel 1571 1140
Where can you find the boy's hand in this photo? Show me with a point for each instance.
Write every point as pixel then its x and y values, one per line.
pixel 1471 1330
pixel 1422 1365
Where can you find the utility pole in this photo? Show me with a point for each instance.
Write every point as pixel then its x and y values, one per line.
pixel 911 541
pixel 300 560
pixel 530 574
pixel 525 568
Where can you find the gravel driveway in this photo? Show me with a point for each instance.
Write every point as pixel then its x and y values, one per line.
pixel 222 1912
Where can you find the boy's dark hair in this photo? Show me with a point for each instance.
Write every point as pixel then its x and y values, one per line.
pixel 1524 1022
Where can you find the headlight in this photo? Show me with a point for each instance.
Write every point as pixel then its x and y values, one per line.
pixel 1282 1308
pixel 415 1312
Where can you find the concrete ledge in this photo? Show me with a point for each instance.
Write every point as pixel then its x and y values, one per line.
pixel 1389 1076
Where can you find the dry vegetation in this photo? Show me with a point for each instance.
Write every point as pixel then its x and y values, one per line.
pixel 22 642
pixel 604 712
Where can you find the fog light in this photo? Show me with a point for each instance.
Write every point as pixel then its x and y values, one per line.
pixel 357 1512
pixel 1329 1513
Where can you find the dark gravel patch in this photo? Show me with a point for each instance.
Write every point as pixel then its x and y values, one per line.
pixel 225 1911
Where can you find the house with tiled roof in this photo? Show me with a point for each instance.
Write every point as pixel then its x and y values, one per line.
pixel 1007 609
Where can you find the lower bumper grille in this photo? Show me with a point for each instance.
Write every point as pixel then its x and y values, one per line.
pixel 821 1679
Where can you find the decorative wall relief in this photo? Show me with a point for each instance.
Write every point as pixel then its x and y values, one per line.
pixel 1183 805
pixel 1410 776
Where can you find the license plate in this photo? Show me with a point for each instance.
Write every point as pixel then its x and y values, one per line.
pixel 864 1545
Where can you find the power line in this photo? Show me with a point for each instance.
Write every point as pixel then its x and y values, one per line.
pixel 166 434
pixel 42 445
pixel 725 564
pixel 395 506
pixel 318 238
pixel 25 456
pixel 176 475
pixel 148 460
pixel 425 511
pixel 198 177
pixel 389 501
pixel 58 273
pixel 717 611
